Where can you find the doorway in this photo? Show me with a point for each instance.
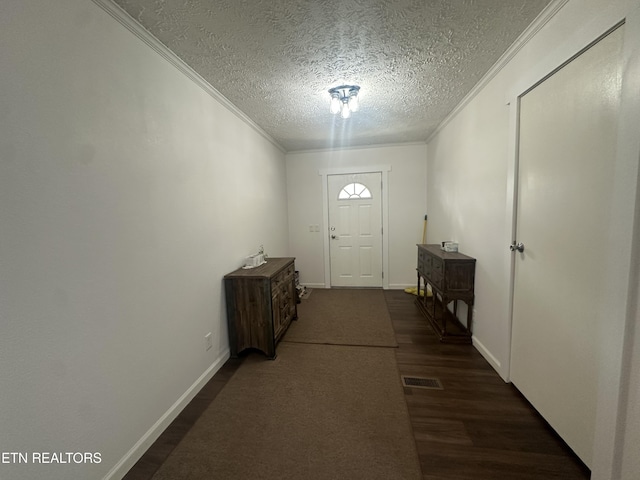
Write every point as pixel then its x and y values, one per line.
pixel 383 171
pixel 567 147
pixel 355 229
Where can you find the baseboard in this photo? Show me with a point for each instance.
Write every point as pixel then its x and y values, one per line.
pixel 392 286
pixel 132 456
pixel 402 286
pixel 488 356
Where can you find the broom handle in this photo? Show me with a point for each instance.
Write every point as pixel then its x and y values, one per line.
pixel 424 230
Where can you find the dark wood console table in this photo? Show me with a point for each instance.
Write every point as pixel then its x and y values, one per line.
pixel 261 303
pixel 451 277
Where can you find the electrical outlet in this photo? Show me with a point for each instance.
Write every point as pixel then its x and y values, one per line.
pixel 208 341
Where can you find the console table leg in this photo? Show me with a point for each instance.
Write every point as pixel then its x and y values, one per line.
pixel 444 315
pixel 433 301
pixel 423 300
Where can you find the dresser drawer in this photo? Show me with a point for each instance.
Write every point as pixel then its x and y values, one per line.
pixel 282 279
pixel 421 267
pixel 437 272
pixel 290 271
pixel 427 265
pixel 460 277
pixel 436 281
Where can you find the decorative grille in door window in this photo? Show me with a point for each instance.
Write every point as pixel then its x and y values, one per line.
pixel 354 191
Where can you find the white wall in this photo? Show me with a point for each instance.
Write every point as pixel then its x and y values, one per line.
pixel 470 170
pixel 407 201
pixel 126 193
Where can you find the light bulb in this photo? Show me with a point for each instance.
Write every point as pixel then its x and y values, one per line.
pixel 353 102
pixel 335 103
pixel 345 112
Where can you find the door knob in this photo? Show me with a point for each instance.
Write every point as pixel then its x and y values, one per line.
pixel 333 237
pixel 519 247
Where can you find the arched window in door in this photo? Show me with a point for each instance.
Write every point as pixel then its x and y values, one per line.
pixel 354 191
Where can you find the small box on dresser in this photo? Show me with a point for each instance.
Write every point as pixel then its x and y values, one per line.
pixel 261 303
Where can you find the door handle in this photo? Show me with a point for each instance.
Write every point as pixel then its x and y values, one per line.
pixel 517 247
pixel 333 237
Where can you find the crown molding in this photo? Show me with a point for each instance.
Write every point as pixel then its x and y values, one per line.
pixel 541 20
pixel 351 170
pixel 357 147
pixel 120 15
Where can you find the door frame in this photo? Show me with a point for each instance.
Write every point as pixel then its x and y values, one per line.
pixel 353 262
pixel 624 233
pixel 384 173
pixel 575 44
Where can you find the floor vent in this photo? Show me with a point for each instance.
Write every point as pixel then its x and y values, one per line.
pixel 421 382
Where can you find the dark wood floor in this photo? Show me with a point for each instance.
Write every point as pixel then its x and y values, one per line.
pixel 476 427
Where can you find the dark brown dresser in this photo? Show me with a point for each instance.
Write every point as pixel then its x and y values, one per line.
pixel 261 303
pixel 451 277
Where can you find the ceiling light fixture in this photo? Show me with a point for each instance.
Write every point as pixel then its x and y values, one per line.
pixel 344 99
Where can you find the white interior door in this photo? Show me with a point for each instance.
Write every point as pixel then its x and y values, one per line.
pixel 355 229
pixel 567 146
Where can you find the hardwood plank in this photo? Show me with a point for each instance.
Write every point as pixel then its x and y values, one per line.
pixel 461 462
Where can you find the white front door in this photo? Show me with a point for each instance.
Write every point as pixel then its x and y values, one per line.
pixel 567 147
pixel 355 229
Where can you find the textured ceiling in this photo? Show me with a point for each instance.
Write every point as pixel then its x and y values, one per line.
pixel 414 60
